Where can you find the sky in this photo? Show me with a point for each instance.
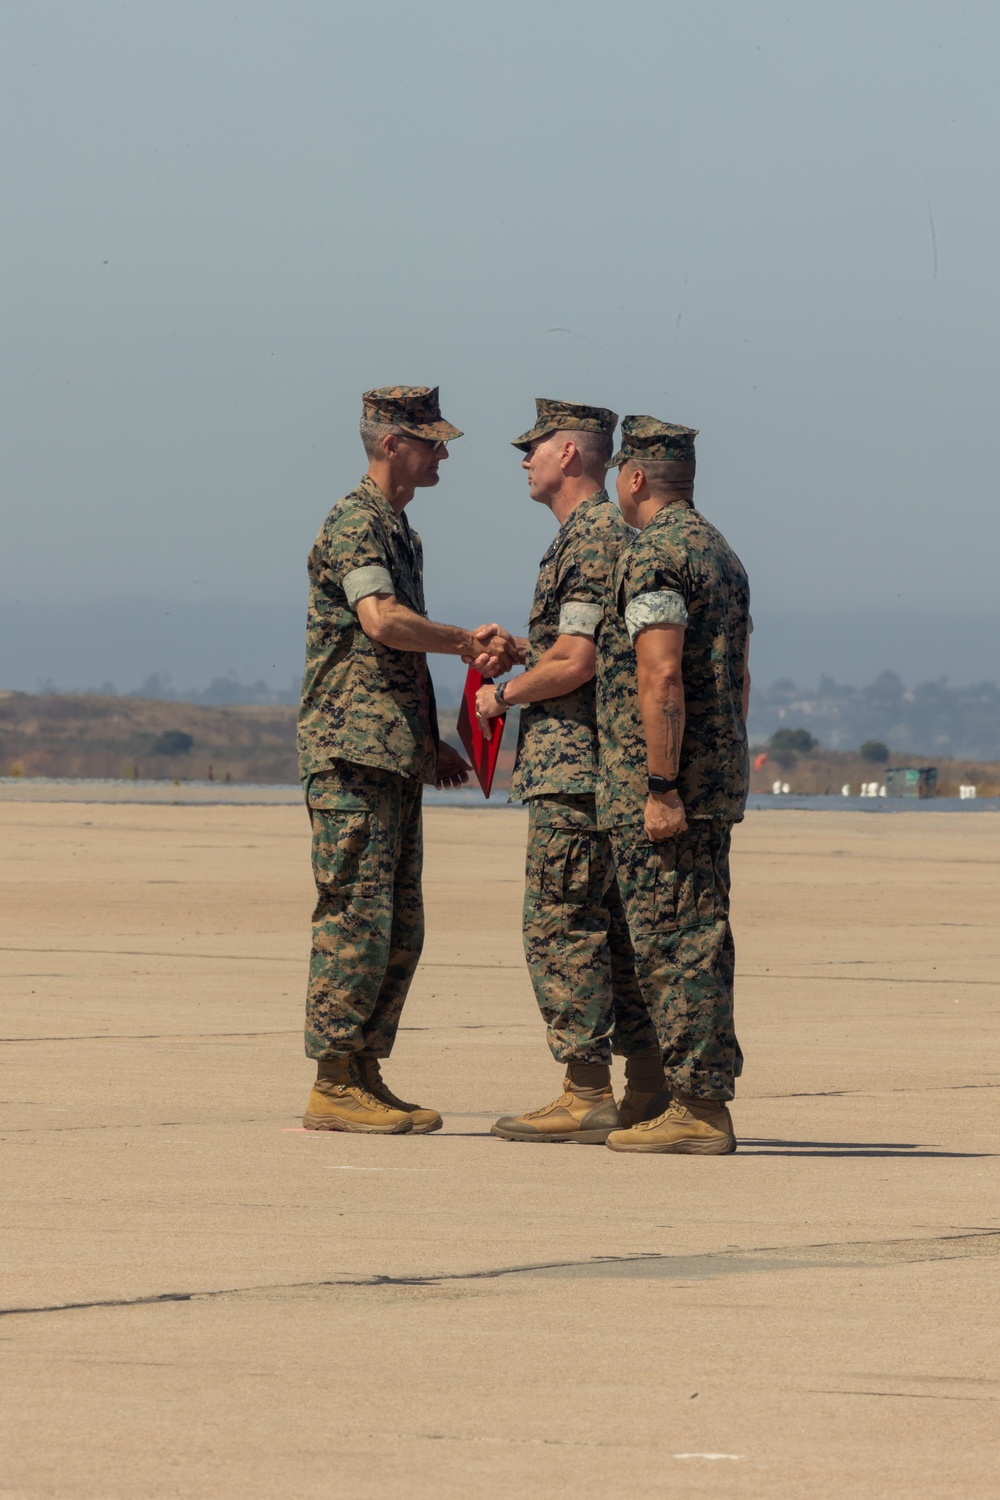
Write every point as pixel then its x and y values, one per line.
pixel 774 223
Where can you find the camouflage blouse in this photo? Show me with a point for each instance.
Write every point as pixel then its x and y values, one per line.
pixel 679 569
pixel 557 742
pixel 363 702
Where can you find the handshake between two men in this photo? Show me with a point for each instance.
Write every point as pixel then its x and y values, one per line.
pixel 388 621
pixel 500 652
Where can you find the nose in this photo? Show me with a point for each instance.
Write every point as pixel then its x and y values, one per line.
pixel 526 461
pixel 441 451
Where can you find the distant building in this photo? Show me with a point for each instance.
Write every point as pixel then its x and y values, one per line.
pixel 911 781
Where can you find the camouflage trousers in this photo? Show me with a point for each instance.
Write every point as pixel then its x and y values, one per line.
pixel 676 896
pixel 368 924
pixel 576 938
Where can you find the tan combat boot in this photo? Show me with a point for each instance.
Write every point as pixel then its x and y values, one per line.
pixel 585 1111
pixel 424 1120
pixel 339 1101
pixel 646 1094
pixel 689 1127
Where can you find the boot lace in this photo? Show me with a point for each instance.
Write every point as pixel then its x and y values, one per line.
pixel 359 1087
pixel 564 1101
pixel 673 1111
pixel 370 1079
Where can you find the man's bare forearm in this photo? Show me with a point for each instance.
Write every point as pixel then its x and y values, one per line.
pixel 558 671
pixel 409 631
pixel 394 624
pixel 661 703
pixel 659 652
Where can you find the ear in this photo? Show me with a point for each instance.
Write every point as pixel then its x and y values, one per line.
pixel 389 445
pixel 636 481
pixel 567 453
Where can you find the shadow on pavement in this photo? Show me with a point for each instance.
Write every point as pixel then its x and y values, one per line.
pixel 751 1146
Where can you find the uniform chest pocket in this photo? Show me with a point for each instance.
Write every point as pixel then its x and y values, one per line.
pixel 412 598
pixel 543 603
pixel 345 844
pixel 406 581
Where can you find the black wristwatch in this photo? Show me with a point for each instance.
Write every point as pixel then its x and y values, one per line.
pixel 660 784
pixel 498 693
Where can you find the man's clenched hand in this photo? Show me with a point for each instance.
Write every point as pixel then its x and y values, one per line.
pixel 500 651
pixel 665 817
pixel 452 770
pixel 488 708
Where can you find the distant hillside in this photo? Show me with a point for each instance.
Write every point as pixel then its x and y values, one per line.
pixel 929 721
pixel 97 735
pixel 87 734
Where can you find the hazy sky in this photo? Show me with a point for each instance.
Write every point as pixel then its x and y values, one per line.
pixel 776 223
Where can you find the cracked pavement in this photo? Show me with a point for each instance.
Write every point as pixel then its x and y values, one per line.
pixel 201 1299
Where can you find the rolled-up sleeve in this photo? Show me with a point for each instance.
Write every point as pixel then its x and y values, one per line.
pixel 577 618
pixel 662 608
pixel 359 583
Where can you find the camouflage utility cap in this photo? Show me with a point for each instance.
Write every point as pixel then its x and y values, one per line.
pixel 566 416
pixel 414 409
pixel 646 438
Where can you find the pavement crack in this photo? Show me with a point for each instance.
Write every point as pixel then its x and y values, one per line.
pixel 852 1254
pixel 238 958
pixel 510 968
pixel 149 1036
pixel 13 1312
pixel 870 979
pixel 923 1088
pixel 901 1395
pixel 133 1125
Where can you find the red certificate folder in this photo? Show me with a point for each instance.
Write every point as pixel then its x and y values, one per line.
pixel 482 752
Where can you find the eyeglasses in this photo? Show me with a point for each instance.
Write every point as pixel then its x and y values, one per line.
pixel 433 443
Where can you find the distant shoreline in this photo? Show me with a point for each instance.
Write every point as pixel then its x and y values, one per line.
pixel 169 792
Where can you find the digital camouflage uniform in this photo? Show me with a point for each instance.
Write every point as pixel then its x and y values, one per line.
pixel 679 570
pixel 576 939
pixel 367 741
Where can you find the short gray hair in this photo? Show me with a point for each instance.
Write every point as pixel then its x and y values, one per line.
pixel 594 448
pixel 372 434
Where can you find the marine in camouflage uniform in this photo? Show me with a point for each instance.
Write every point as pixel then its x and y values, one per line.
pixel 367 742
pixel 679 570
pixel 576 939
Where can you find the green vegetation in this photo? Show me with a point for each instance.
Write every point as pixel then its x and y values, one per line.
pixel 172 742
pixel 875 752
pixel 798 740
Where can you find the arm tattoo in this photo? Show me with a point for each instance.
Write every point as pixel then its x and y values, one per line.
pixel 674 725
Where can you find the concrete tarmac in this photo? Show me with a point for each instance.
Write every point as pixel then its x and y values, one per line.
pixel 202 1300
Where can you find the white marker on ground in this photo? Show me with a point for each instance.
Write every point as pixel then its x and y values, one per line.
pixel 709 1455
pixel 340 1168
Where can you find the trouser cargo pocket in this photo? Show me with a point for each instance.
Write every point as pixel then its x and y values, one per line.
pixel 345 851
